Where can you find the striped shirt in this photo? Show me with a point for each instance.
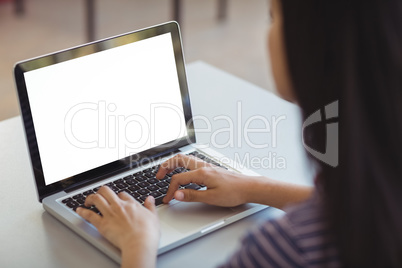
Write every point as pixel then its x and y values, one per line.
pixel 298 239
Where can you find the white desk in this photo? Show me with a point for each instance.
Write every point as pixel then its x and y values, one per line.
pixel 30 237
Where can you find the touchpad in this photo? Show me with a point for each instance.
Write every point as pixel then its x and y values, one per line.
pixel 189 217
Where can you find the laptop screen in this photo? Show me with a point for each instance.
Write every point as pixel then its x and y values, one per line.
pixel 102 107
pixel 91 108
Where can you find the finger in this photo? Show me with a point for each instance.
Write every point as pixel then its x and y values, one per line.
pixel 90 216
pixel 99 202
pixel 169 165
pixel 162 173
pixel 180 160
pixel 150 204
pixel 108 194
pixel 198 176
pixel 125 196
pixel 190 195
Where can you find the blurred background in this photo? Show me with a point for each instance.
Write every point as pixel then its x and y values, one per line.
pixel 229 34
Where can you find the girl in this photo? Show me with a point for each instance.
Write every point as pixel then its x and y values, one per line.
pixel 348 51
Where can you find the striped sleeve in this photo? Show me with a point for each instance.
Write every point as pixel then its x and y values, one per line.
pixel 299 239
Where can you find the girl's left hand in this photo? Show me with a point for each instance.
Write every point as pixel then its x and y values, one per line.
pixel 128 225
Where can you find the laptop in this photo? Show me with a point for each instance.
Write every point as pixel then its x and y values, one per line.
pixel 109 113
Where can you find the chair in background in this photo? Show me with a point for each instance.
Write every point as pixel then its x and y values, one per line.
pixel 19 7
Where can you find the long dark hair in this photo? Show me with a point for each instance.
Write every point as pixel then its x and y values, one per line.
pixel 351 51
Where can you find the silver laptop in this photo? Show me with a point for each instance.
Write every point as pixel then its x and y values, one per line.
pixel 108 113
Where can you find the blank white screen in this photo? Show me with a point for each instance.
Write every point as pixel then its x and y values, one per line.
pixel 99 108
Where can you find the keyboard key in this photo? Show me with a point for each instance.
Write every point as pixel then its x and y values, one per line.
pixel 124 190
pixel 143 197
pixel 135 195
pixel 72 204
pixel 147 170
pixel 152 188
pixel 162 184
pixel 143 184
pixel 133 188
pixel 139 200
pixel 143 191
pixel 128 177
pixel 81 200
pixel 140 178
pixel 78 196
pixel 153 181
pixel 67 200
pixel 96 189
pixel 86 193
pixel 137 174
pixel 159 201
pixel 131 181
pixel 149 175
pixel 155 194
pixel 110 184
pixel 118 181
pixel 114 188
pixel 163 190
pixel 121 185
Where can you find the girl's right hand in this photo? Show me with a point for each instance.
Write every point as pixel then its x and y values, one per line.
pixel 224 188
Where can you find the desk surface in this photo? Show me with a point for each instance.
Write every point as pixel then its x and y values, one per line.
pixel 30 237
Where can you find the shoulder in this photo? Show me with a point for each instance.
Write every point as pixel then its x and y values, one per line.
pixel 298 239
pixel 307 227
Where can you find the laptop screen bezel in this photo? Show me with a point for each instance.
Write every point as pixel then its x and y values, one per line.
pixel 120 165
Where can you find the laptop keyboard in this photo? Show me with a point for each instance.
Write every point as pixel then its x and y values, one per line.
pixel 140 185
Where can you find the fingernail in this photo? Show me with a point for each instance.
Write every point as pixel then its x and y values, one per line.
pixel 179 196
